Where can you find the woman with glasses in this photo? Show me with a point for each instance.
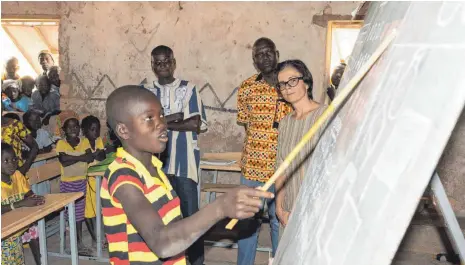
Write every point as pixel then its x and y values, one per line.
pixel 295 83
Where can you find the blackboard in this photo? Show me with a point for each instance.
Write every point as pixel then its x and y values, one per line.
pixel 377 156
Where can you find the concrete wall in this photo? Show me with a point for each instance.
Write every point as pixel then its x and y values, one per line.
pixel 104 45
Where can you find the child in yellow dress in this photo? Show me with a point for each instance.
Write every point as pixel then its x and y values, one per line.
pixel 74 155
pixel 16 193
pixel 91 130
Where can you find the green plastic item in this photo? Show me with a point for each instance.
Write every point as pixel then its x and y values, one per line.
pixel 103 165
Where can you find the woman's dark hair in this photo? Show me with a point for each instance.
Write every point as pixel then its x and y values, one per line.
pixel 303 70
pixel 88 121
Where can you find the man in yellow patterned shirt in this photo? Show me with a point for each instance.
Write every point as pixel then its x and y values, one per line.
pixel 260 108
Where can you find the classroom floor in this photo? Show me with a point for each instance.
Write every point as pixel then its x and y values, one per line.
pixel 223 256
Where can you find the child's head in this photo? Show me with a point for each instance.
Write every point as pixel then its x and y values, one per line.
pixel 91 127
pixel 13 116
pixel 12 90
pixel 43 84
pixel 163 62
pixel 54 76
pixel 27 85
pixel 135 115
pixel 9 160
pixel 11 68
pixel 31 120
pixel 71 128
pixel 68 121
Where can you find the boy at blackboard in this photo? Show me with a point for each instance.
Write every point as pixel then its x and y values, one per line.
pixel 141 211
pixel 16 193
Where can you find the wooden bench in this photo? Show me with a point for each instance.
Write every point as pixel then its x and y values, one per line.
pixel 213 188
pixel 46 156
pixel 218 188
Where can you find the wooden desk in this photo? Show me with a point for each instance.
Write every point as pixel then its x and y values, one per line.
pixel 22 217
pixel 45 156
pixel 218 157
pixel 43 172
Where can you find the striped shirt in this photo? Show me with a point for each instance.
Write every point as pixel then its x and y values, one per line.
pixel 125 244
pixel 291 132
pixel 183 154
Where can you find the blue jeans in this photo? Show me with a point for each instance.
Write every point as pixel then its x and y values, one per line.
pixel 186 189
pixel 247 245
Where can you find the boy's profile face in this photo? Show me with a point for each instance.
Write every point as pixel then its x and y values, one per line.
pixel 145 129
pixel 9 162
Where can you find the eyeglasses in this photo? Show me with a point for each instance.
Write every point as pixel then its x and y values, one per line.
pixel 290 83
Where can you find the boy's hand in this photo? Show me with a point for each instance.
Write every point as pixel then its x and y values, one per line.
pixel 242 202
pixel 32 201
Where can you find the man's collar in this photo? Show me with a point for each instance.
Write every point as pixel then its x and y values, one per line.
pixel 259 77
pixel 174 84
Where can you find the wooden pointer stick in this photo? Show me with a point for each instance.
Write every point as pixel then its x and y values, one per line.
pixel 335 104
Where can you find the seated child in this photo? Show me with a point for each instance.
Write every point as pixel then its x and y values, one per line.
pixel 16 194
pixel 44 142
pixel 27 85
pixel 74 155
pixel 141 211
pixel 91 131
pixel 16 134
pixel 45 99
pixel 43 138
pixel 17 102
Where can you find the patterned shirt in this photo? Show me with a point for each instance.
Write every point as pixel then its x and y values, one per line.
pixel 259 109
pixel 125 244
pixel 183 154
pixel 13 132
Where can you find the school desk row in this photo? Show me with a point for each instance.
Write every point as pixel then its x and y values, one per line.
pixel 23 217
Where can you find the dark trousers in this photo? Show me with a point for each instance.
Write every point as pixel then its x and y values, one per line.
pixel 187 191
